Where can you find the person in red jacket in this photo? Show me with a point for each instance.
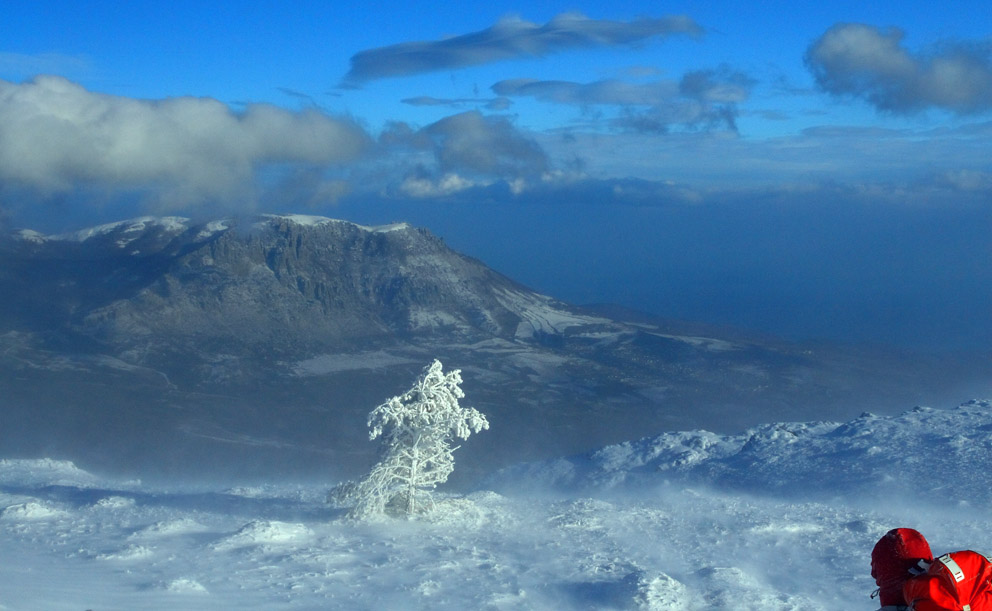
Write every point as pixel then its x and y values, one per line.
pixel 893 560
pixel 908 576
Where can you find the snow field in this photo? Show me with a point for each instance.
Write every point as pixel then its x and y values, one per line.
pixel 782 517
pixel 664 549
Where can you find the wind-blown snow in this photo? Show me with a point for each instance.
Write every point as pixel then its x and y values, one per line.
pixel 781 517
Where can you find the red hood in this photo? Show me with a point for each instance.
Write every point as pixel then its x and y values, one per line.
pixel 892 558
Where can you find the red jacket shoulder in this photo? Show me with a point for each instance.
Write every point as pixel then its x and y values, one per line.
pixel 952 581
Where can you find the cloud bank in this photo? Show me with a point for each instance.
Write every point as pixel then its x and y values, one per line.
pixel 862 61
pixel 510 38
pixel 460 152
pixel 55 135
pixel 702 98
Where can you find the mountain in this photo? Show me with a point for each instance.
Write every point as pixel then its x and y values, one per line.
pixel 288 284
pixel 258 346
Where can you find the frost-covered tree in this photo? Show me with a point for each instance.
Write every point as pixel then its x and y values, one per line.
pixel 417 430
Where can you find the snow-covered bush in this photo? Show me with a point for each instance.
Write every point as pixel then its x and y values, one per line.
pixel 417 429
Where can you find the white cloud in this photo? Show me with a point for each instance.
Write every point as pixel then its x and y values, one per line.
pixel 611 92
pixel 457 153
pixel 701 99
pixel 867 62
pixel 491 145
pixel 55 135
pixel 420 187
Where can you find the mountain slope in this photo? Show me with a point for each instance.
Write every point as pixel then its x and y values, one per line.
pixel 259 345
pixel 281 282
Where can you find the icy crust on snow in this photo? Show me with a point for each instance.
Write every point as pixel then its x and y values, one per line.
pixel 871 455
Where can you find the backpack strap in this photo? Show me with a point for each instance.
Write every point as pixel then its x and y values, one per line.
pixel 953 567
pixel 955 570
pixel 921 567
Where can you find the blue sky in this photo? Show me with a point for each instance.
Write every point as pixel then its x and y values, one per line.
pixel 811 170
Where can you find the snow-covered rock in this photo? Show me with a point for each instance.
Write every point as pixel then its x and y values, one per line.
pixel 910 454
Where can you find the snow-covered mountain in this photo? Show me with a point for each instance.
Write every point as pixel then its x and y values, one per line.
pixel 284 283
pixel 257 346
pixel 780 518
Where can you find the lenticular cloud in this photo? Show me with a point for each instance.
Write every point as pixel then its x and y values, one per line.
pixel 510 38
pixel 54 134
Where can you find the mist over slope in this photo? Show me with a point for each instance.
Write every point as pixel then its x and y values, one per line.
pixel 252 347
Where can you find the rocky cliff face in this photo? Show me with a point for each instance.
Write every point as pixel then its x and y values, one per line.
pixel 290 284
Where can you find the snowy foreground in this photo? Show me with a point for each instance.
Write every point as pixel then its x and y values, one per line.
pixel 781 517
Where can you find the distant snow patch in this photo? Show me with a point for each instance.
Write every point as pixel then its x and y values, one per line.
pixel 386 228
pixel 172 224
pixel 541 315
pixel 707 343
pixel 212 228
pixel 335 363
pixel 307 220
pixel 29 235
